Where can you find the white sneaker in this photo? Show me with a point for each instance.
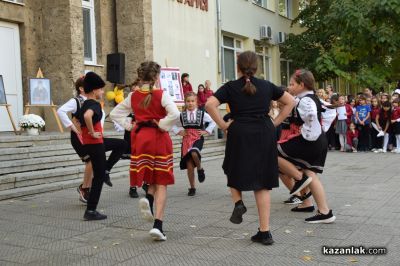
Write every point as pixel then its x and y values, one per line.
pixel 381 134
pixel 394 151
pixel 145 211
pixel 384 151
pixel 157 235
pixel 378 151
pixel 398 151
pixel 374 150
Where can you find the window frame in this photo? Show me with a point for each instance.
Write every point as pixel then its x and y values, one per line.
pixel 89 5
pixel 288 9
pixel 264 3
pixel 17 2
pixel 236 50
pixel 265 57
pixel 288 72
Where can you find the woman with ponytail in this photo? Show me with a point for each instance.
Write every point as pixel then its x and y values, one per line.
pixel 251 158
pixel 151 145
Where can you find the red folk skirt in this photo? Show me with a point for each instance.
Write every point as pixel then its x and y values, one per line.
pixel 288 134
pixel 151 157
pixel 191 142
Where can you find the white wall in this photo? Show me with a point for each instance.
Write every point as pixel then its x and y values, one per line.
pixel 186 37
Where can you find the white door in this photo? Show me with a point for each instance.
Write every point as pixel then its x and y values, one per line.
pixel 10 69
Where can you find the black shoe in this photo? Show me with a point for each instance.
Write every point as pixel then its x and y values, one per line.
pixel 238 212
pixel 145 187
pixel 320 218
pixel 306 209
pixel 264 238
pixel 93 216
pixel 299 185
pixel 107 180
pixel 293 200
pixel 201 176
pixel 133 192
pixel 192 192
pixel 126 156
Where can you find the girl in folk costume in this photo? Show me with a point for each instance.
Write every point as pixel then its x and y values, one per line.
pixel 191 128
pixel 308 150
pixel 74 106
pixel 152 155
pixel 250 156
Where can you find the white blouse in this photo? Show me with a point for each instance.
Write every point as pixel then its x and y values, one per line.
pixel 68 107
pixel 207 119
pixel 122 110
pixel 311 129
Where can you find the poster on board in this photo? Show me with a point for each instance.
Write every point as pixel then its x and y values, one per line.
pixel 170 81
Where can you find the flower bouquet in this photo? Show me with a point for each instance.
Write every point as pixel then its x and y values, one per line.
pixel 32 123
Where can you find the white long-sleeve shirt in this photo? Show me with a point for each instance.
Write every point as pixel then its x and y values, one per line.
pixel 122 110
pixel 71 107
pixel 206 119
pixel 311 129
pixel 68 107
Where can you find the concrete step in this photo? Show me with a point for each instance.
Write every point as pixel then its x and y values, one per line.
pixel 70 168
pixel 119 171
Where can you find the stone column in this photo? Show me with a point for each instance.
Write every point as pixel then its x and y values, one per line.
pixel 135 36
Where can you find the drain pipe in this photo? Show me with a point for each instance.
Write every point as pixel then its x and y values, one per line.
pixel 219 39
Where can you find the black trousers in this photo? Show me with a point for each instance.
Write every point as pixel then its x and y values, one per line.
pixel 97 155
pixel 363 138
pixel 117 148
pixel 127 138
pixel 332 137
pixel 376 143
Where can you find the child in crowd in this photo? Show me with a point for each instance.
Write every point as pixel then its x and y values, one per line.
pixel 201 97
pixel 352 138
pixel 395 119
pixel 376 143
pixel 192 128
pixel 152 154
pixel 187 87
pixel 331 132
pixel 363 114
pixel 341 124
pixel 383 124
pixel 273 113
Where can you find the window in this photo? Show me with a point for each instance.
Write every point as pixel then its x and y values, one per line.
pixel 262 3
pixel 231 48
pixel 263 70
pixel 284 8
pixel 89 31
pixel 286 71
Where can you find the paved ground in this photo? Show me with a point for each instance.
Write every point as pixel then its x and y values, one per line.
pixel 363 190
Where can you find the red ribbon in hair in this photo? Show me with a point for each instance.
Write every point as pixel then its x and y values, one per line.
pixel 298 72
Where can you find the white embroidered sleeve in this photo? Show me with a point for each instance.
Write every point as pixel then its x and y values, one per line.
pixel 172 112
pixel 68 107
pixel 121 111
pixel 211 125
pixel 311 129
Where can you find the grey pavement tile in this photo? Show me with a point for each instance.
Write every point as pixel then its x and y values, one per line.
pixel 211 253
pixel 27 256
pixel 184 261
pixel 248 258
pixel 60 245
pixel 6 250
pixel 174 249
pixel 117 253
pixel 22 240
pixel 56 259
pixel 147 259
pixel 93 261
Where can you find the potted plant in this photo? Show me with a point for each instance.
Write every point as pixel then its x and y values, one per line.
pixel 32 123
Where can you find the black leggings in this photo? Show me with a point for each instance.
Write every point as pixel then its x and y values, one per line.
pixel 363 137
pixel 97 153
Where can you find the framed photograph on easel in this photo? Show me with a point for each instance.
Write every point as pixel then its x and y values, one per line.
pixel 39 91
pixel 170 82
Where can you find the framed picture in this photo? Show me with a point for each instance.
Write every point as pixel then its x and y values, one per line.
pixel 170 81
pixel 39 91
pixel 3 99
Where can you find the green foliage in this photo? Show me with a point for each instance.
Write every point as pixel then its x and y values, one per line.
pixel 357 40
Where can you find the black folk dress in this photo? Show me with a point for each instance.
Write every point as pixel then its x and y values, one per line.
pixel 251 158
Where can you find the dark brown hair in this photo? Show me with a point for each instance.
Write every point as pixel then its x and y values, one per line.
pixel 306 77
pixel 247 64
pixel 79 84
pixel 148 72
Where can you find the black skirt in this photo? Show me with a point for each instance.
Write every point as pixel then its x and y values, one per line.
pixel 305 154
pixel 196 147
pixel 251 158
pixel 396 128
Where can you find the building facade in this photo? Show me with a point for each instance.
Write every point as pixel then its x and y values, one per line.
pixel 66 38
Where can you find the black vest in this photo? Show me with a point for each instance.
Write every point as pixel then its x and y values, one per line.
pixel 299 121
pixel 79 102
pixel 197 124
